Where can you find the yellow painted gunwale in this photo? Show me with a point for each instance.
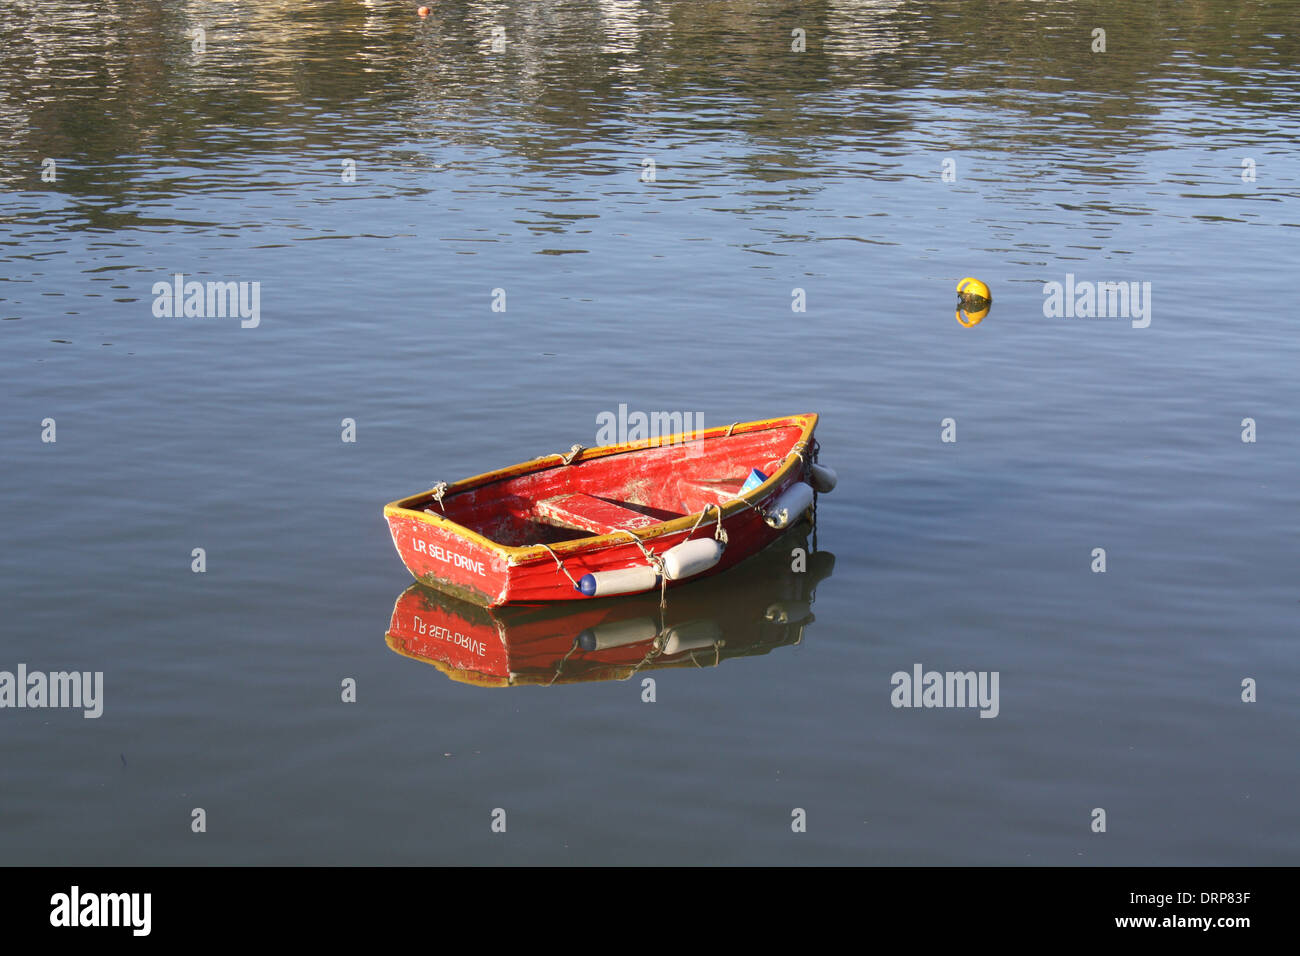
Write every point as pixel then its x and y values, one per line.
pixel 519 554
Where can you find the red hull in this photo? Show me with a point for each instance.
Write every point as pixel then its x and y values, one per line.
pixel 500 538
pixel 767 605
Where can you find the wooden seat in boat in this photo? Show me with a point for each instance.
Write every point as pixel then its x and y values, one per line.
pixel 588 513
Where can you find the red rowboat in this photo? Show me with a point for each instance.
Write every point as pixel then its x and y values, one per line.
pixel 621 519
pixel 761 605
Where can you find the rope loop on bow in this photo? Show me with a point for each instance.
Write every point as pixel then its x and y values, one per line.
pixel 437 492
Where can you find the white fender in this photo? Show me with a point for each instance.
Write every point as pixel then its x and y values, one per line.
pixel 823 479
pixel 789 505
pixel 691 558
pixel 626 581
pixel 618 634
pixel 691 636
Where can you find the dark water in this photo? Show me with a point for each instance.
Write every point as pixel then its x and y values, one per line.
pixel 521 170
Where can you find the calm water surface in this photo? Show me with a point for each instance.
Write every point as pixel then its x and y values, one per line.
pixel 521 170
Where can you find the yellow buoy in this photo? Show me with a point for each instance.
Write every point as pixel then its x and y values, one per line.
pixel 973 301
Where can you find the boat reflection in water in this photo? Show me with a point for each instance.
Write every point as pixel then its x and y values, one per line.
pixel 761 604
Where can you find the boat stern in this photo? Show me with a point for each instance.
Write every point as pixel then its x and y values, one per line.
pixel 441 554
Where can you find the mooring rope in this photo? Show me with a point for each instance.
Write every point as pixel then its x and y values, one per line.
pixel 717 655
pixel 560 563
pixel 718 533
pixel 656 648
pixel 574 451
pixel 652 559
pixel 656 563
pixel 438 491
pixel 563 660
